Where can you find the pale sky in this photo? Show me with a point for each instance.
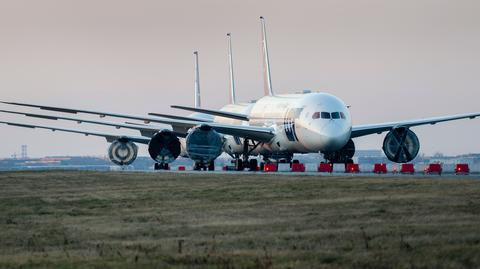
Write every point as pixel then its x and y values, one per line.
pixel 389 60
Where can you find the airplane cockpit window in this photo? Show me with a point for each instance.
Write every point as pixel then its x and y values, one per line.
pixel 326 115
pixel 342 115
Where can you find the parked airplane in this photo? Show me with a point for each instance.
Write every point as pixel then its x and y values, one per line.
pixel 275 126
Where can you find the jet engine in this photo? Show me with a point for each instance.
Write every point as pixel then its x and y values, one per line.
pixel 401 145
pixel 122 152
pixel 203 144
pixel 164 147
pixel 344 155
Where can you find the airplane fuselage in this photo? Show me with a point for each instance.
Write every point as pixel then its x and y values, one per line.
pixel 303 123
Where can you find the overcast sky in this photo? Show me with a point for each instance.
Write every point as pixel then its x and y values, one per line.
pixel 389 60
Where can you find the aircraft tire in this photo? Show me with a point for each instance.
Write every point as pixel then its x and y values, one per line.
pixel 211 166
pixel 253 163
pixel 239 165
pixel 197 167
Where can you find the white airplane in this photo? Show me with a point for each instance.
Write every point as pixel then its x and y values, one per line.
pixel 275 127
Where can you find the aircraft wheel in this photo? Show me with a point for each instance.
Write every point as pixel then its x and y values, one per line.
pixel 197 167
pixel 211 166
pixel 253 163
pixel 160 166
pixel 239 165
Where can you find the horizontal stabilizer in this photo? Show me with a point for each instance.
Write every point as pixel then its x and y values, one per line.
pixel 219 113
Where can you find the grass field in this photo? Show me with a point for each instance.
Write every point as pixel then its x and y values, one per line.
pixel 169 220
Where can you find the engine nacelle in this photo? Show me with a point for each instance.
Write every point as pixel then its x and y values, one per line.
pixel 122 152
pixel 401 145
pixel 344 155
pixel 204 144
pixel 164 147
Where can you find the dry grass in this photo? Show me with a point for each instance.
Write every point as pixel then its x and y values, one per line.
pixel 168 220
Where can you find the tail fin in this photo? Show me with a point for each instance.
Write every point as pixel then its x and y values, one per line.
pixel 197 81
pixel 266 62
pixel 230 65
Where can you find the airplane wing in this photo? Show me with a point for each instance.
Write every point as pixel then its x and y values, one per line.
pixel 261 134
pixel 168 116
pixel 368 129
pixel 109 137
pixel 178 125
pixel 225 114
pixel 145 130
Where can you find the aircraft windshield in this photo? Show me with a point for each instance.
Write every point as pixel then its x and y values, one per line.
pixel 327 115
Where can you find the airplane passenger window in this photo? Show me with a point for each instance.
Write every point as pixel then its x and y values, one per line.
pixel 342 115
pixel 316 115
pixel 335 115
pixel 325 115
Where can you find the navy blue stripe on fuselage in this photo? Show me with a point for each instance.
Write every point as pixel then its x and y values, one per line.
pixel 289 127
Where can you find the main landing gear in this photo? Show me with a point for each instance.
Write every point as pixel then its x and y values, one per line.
pixel 199 166
pixel 161 166
pixel 242 162
pixel 251 165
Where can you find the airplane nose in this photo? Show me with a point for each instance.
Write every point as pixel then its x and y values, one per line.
pixel 332 142
pixel 334 137
pixel 326 135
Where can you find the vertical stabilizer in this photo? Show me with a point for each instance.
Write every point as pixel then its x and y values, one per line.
pixel 197 81
pixel 266 62
pixel 230 65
